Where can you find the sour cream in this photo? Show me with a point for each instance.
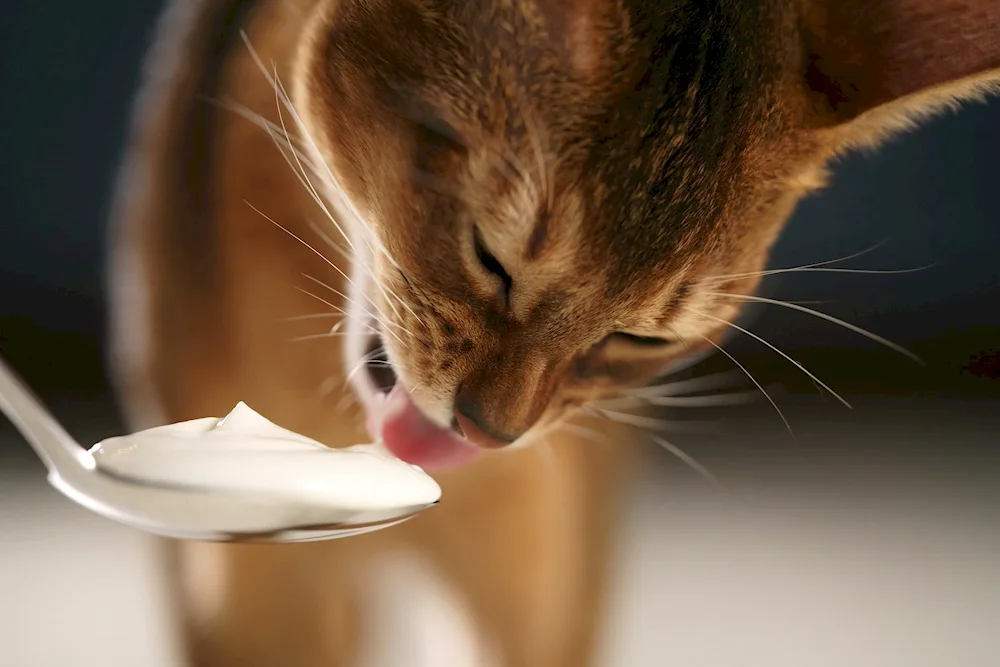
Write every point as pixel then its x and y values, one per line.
pixel 246 455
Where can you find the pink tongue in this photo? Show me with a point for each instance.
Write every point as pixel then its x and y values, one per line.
pixel 410 436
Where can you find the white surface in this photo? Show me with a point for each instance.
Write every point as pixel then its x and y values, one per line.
pixel 782 581
pixel 75 589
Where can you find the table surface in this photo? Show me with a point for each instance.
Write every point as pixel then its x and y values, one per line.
pixel 872 540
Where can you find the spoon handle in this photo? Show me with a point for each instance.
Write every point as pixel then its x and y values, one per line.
pixel 53 445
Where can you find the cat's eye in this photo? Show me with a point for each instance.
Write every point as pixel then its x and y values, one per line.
pixel 492 265
pixel 643 341
pixel 435 135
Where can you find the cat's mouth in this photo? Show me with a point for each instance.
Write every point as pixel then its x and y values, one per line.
pixel 392 417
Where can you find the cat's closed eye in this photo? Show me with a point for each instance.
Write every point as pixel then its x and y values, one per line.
pixel 492 266
pixel 642 341
pixel 436 135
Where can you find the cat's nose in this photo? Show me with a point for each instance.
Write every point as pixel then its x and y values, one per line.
pixel 470 422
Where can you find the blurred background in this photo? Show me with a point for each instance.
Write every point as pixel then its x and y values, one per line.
pixel 871 538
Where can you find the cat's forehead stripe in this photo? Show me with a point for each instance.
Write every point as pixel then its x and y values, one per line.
pixel 539 235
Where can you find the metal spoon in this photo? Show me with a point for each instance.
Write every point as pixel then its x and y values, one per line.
pixel 177 509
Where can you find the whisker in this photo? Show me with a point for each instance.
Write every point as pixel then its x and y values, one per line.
pixel 311 316
pixel 329 177
pixel 711 401
pixel 356 257
pixel 808 269
pixel 303 177
pixel 413 385
pixel 260 121
pixel 318 254
pixel 300 161
pixel 327 334
pixel 684 457
pixel 584 432
pixel 282 99
pixel 371 354
pixel 316 316
pixel 347 401
pixel 547 454
pixel 280 136
pixel 773 347
pixel 340 310
pixel 754 380
pixel 871 272
pixel 348 299
pixel 331 384
pixel 801 267
pixel 384 322
pixel 823 316
pixel 366 360
pixel 703 383
pixel 690 461
pixel 336 247
pixel 300 240
pixel 389 295
pixel 688 361
pixel 811 302
pixel 652 422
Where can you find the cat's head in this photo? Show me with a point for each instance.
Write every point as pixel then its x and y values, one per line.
pixel 549 199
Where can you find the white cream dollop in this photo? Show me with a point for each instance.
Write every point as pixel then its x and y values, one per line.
pixel 245 453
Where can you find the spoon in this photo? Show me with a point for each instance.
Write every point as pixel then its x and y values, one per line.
pixel 239 479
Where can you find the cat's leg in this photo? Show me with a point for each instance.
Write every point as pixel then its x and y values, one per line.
pixel 262 605
pixel 241 605
pixel 527 541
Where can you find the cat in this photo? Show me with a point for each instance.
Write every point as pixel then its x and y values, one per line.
pixel 483 217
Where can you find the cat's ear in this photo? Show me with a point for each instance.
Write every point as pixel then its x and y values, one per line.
pixel 875 65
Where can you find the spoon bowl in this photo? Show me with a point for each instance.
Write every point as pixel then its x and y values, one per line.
pixel 241 478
